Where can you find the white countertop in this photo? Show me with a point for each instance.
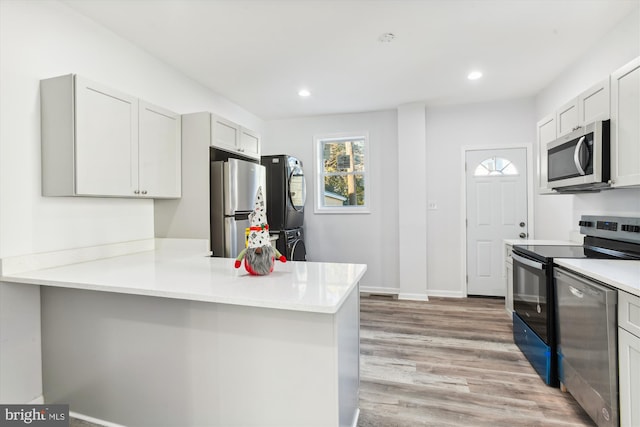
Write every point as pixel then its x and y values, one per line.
pixel 621 274
pixel 170 273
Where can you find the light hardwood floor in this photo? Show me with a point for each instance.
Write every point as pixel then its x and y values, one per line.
pixel 451 362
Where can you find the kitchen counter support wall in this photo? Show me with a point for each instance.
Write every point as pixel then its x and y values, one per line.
pixel 149 361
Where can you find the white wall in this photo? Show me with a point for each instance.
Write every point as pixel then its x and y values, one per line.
pixel 558 215
pixel 358 238
pixel 449 129
pixel 412 202
pixel 45 39
pixel 40 39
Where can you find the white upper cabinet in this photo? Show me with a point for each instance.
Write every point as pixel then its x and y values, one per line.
pixel 625 125
pixel 589 106
pixel 567 118
pixel 230 136
pixel 106 140
pixel 99 142
pixel 249 142
pixel 224 133
pixel 160 152
pixel 546 133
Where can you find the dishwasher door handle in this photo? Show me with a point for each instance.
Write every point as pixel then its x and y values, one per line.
pixel 578 293
pixel 528 262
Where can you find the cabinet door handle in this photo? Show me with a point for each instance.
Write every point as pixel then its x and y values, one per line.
pixel 144 191
pixel 136 192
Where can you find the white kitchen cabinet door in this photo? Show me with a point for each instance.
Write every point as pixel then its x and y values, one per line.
pixel 225 134
pixel 249 143
pixel 230 136
pixel 593 103
pixel 106 141
pixel 546 134
pixel 625 125
pixel 629 374
pixel 567 118
pixel 160 152
pixel 589 106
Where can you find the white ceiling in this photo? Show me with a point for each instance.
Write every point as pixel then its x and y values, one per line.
pixel 259 53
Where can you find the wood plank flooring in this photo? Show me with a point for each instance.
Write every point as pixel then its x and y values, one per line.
pixel 451 362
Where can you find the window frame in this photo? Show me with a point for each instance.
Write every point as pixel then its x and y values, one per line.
pixel 319 141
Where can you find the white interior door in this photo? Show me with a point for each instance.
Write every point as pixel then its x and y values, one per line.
pixel 496 183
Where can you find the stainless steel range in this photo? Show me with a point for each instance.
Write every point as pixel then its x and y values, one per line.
pixel 534 292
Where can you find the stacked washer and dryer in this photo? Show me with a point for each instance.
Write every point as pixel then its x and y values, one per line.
pixel 286 195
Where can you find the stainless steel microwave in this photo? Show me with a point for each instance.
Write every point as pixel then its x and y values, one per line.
pixel 580 160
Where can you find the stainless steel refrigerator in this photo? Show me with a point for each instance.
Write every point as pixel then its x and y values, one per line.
pixel 234 184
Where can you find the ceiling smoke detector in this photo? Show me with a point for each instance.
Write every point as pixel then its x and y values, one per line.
pixel 386 38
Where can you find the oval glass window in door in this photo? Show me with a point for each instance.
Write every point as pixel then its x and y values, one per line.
pixel 297 189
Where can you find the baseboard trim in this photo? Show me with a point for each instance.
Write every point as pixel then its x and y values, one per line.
pixel 378 291
pixel 413 297
pixel 94 420
pixel 447 294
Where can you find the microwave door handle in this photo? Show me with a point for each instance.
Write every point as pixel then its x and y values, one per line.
pixel 576 155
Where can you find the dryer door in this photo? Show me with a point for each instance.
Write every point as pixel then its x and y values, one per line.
pixel 297 251
pixel 297 189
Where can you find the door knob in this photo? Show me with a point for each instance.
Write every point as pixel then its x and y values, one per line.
pixel 522 224
pixel 522 235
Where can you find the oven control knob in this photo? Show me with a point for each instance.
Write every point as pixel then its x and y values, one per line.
pixel 636 228
pixel 585 223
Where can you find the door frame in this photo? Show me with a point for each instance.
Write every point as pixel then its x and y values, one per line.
pixel 463 199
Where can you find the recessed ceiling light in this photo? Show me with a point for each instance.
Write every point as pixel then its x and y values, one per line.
pixel 474 75
pixel 386 38
pixel 304 93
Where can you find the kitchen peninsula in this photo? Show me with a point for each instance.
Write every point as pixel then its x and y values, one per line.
pixel 172 337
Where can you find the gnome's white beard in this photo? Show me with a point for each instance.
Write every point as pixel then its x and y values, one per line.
pixel 262 262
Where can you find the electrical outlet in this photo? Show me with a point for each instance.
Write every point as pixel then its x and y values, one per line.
pixel 432 205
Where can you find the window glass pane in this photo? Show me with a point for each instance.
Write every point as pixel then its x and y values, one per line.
pixel 343 156
pixel 343 190
pixel 495 166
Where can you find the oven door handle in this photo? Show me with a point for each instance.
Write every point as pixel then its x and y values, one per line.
pixel 528 262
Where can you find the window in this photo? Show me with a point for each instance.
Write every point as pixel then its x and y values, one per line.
pixel 341 174
pixel 495 166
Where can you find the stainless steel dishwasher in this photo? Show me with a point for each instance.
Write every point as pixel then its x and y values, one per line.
pixel 587 344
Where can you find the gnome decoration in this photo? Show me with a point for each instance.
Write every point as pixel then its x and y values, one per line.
pixel 259 256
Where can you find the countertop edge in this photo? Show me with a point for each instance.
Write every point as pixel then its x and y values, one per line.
pixel 217 299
